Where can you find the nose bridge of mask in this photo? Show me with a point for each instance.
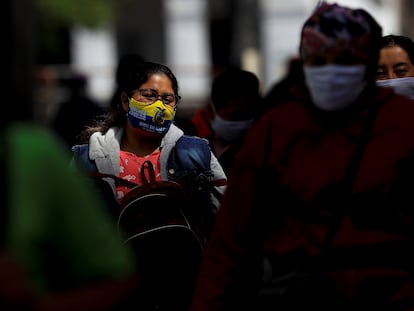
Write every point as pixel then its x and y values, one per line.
pixel 162 112
pixel 141 105
pixel 160 103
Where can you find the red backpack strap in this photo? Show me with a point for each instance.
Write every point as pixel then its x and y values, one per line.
pixel 147 166
pixel 122 181
pixel 218 182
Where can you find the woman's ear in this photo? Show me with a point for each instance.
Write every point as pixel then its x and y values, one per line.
pixel 124 101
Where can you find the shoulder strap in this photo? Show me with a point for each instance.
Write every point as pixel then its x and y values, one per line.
pixel 349 177
pixel 122 181
pixel 149 167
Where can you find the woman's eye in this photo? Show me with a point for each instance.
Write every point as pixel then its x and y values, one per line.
pixel 401 72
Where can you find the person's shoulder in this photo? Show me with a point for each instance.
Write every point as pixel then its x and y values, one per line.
pixel 396 108
pixel 388 98
pixel 34 138
pixel 191 150
pixel 27 129
pixel 192 141
pixel 35 150
pixel 190 137
pixel 286 113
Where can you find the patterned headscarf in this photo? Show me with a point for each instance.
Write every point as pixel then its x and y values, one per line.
pixel 332 28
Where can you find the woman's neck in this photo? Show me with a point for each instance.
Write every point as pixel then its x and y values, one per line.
pixel 140 144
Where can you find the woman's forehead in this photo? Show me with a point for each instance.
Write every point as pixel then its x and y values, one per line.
pixel 158 81
pixel 394 54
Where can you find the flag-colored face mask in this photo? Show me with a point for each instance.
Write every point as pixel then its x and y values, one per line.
pixel 155 118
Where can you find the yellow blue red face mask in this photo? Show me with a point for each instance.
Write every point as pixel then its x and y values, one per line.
pixel 155 118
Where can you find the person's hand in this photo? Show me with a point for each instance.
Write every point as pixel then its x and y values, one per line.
pixel 13 289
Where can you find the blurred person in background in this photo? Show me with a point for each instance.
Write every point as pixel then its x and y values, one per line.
pixel 78 111
pixel 235 105
pixel 318 210
pixel 59 249
pixel 47 94
pixel 56 235
pixel 396 64
pixel 281 90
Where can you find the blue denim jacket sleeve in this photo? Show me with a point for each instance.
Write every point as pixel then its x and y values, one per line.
pixel 80 158
pixel 189 161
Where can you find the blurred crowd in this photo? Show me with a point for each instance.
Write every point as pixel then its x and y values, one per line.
pixel 294 198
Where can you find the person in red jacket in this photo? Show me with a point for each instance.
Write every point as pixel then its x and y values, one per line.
pixel 288 212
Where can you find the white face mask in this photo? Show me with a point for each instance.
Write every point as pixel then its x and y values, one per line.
pixel 402 86
pixel 230 130
pixel 334 87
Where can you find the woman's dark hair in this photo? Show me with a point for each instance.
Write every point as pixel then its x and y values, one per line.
pixel 144 71
pixel 402 41
pixel 129 83
pixel 126 64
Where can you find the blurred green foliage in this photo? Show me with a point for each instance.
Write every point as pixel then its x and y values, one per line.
pixel 55 18
pixel 88 13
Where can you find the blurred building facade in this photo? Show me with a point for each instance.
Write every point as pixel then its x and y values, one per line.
pixel 197 38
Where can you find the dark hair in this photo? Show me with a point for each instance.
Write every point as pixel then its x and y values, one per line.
pixel 130 82
pixel 127 63
pixel 144 71
pixel 234 83
pixel 402 41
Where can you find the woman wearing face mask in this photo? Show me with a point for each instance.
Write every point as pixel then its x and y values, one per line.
pixel 296 157
pixel 235 105
pixel 396 64
pixel 140 128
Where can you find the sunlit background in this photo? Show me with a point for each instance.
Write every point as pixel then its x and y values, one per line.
pixel 196 38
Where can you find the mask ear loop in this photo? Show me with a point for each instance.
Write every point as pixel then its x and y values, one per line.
pixel 129 102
